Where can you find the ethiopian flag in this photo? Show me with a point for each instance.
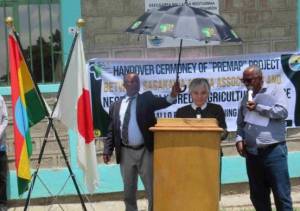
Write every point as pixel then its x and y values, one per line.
pixel 28 109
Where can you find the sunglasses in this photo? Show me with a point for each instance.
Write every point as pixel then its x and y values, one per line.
pixel 248 80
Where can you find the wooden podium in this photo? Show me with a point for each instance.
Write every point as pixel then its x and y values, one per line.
pixel 186 164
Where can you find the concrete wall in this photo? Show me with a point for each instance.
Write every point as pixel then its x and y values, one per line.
pixel 264 26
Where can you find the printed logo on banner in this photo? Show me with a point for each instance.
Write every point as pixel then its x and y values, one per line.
pixel 100 116
pixel 291 66
pixel 294 62
pixel 155 40
pixel 96 69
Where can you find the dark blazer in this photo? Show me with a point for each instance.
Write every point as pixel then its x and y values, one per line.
pixel 211 111
pixel 146 105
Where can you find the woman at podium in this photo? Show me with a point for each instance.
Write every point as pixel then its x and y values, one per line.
pixel 199 89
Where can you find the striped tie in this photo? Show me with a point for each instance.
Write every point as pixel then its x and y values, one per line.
pixel 126 122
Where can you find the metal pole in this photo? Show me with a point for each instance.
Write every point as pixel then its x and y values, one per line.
pixel 178 66
pixel 39 163
pixel 9 22
pixel 69 168
pixel 66 69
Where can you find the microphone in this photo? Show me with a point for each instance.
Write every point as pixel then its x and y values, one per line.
pixel 250 94
pixel 198 112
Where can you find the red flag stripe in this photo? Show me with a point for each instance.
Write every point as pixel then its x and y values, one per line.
pixel 84 116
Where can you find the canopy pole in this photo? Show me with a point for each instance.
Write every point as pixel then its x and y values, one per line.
pixel 178 64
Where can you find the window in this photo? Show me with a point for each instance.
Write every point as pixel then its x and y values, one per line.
pixel 38 23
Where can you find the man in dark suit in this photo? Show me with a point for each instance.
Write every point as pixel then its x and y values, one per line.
pixel 128 133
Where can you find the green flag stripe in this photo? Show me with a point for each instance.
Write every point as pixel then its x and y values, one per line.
pixel 35 108
pixel 22 185
pixel 28 143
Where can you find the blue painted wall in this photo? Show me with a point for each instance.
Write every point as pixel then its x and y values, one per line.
pixel 234 168
pixel 70 13
pixel 69 17
pixel 233 171
pixel 44 88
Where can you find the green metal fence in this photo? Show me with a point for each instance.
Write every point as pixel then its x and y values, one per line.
pixel 38 23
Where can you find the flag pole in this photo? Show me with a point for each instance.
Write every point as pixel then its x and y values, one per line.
pixel 80 23
pixel 10 23
pixel 38 165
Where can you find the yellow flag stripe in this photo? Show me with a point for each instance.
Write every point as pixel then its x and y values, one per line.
pixel 24 165
pixel 25 80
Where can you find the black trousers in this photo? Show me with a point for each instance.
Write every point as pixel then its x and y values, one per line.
pixel 3 177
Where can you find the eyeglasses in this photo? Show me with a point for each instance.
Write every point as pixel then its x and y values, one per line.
pixel 248 80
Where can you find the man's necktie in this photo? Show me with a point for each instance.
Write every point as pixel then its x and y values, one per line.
pixel 126 122
pixel 198 112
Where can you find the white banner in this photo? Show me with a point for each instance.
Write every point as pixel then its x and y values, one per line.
pixel 223 73
pixel 162 42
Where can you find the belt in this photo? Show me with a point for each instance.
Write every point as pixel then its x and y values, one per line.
pixel 269 146
pixel 135 147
